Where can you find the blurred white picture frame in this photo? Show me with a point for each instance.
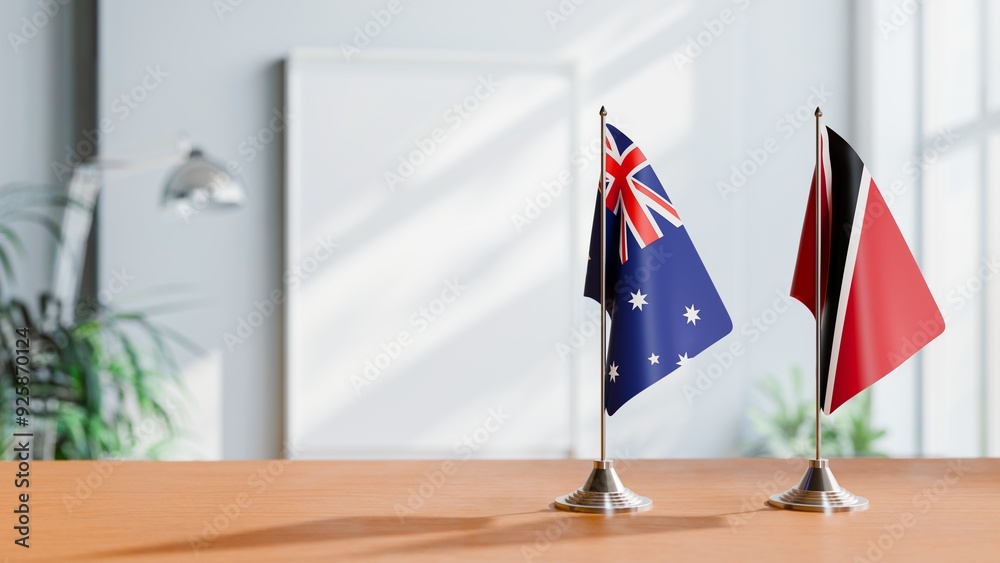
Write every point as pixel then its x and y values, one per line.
pixel 433 255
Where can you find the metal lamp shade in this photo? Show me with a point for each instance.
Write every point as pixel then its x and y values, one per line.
pixel 201 183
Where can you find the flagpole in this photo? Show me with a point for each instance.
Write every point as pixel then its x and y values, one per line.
pixel 603 492
pixel 818 490
pixel 602 186
pixel 819 282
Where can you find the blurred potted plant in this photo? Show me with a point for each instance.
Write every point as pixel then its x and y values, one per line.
pixel 94 379
pixel 787 427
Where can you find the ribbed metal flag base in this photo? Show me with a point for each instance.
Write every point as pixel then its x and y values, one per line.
pixel 818 491
pixel 603 493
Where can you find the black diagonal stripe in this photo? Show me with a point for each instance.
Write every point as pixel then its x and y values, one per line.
pixel 846 169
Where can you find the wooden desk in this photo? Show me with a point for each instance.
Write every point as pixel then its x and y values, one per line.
pixel 704 510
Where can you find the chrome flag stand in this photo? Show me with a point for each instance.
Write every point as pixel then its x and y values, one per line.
pixel 603 493
pixel 818 491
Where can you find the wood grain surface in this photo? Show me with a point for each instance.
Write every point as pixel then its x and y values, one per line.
pixel 704 510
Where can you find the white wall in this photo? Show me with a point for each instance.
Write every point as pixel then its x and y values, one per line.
pixel 37 118
pixel 222 81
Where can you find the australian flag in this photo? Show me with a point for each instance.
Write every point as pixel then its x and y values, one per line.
pixel 663 305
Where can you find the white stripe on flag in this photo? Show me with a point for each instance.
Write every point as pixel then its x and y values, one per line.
pixel 825 139
pixel 845 289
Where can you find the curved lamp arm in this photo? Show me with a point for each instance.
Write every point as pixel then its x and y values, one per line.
pixel 194 178
pixel 161 155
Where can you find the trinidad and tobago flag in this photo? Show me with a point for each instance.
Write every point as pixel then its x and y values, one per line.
pixel 876 308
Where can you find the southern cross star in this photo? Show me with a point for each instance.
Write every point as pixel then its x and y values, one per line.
pixel 692 315
pixel 638 299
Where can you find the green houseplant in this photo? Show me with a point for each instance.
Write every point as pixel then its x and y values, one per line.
pixel 786 428
pixel 101 382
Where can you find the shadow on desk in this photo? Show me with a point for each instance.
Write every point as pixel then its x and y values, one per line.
pixel 430 533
